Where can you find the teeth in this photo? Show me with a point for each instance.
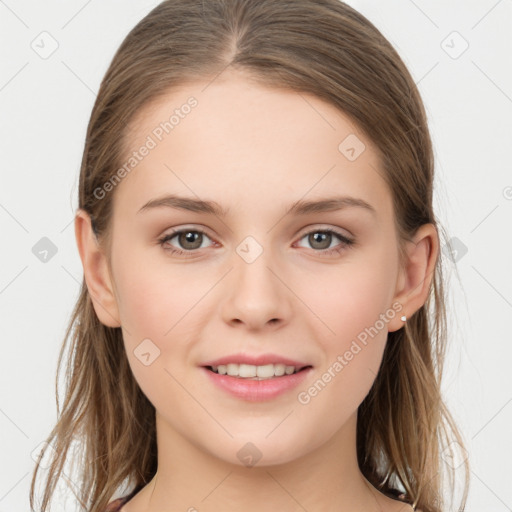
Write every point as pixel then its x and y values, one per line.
pixel 266 371
pixel 249 371
pixel 244 370
pixel 232 369
pixel 279 369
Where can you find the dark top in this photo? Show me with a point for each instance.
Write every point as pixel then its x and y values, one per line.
pixel 115 505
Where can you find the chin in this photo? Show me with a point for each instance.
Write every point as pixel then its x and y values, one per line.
pixel 260 451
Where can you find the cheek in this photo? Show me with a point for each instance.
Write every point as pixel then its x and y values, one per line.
pixel 166 305
pixel 350 298
pixel 353 302
pixel 156 306
pixel 156 300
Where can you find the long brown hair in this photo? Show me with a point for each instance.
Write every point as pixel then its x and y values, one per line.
pixel 323 47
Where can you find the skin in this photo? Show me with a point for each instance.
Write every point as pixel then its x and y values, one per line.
pixel 254 150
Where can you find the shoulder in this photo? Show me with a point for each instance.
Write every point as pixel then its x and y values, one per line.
pixel 115 506
pixel 403 499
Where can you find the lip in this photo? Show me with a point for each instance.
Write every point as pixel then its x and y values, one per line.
pixel 257 390
pixel 259 360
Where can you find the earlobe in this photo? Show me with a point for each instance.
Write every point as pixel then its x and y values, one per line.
pixel 97 276
pixel 415 278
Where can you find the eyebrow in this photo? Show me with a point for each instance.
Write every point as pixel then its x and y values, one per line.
pixel 299 207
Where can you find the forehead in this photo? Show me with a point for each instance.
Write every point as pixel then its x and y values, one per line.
pixel 249 144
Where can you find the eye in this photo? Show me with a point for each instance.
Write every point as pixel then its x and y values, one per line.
pixel 321 240
pixel 188 239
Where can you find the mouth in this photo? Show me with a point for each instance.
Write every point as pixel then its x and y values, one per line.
pixel 253 372
pixel 260 382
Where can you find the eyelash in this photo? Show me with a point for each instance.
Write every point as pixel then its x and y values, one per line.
pixel 346 242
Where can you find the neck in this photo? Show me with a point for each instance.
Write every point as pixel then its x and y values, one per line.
pixel 191 479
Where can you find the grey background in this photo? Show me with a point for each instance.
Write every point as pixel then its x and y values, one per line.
pixel 45 103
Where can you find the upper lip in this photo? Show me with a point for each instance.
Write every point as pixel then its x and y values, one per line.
pixel 256 360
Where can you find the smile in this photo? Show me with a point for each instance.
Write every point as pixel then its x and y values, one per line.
pixel 249 371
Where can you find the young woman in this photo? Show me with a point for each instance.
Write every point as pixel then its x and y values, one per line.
pixel 261 323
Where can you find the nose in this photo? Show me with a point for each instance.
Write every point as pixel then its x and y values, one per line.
pixel 257 294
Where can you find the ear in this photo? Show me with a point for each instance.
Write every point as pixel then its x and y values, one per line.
pixel 414 279
pixel 96 273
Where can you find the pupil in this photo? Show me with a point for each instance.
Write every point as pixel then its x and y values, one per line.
pixel 321 237
pixel 189 238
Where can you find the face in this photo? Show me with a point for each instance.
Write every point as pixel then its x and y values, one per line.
pixel 267 279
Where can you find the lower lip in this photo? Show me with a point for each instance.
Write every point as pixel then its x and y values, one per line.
pixel 257 390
